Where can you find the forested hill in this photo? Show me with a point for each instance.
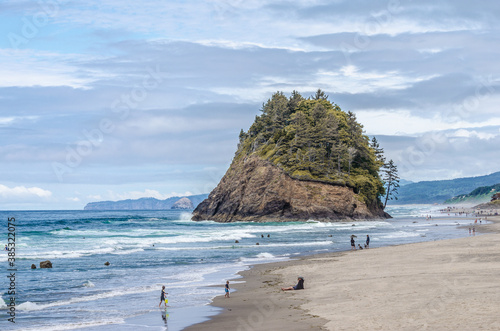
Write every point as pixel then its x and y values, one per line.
pixel 313 139
pixel 479 195
pixel 442 190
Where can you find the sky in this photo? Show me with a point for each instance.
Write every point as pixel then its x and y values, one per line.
pixel 110 100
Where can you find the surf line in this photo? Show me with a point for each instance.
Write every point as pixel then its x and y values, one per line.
pixel 11 249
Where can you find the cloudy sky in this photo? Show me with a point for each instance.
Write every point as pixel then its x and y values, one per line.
pixel 107 100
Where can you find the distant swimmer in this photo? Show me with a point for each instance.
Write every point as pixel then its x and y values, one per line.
pixel 163 297
pixel 6 248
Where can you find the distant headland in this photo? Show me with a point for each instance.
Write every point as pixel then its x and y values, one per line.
pixel 186 202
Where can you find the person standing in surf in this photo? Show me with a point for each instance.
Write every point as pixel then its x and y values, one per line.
pixel 367 241
pixel 163 297
pixel 226 289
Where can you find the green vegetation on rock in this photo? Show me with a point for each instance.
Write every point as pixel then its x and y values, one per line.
pixel 313 139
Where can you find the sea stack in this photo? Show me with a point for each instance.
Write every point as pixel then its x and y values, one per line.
pixel 302 159
pixel 183 203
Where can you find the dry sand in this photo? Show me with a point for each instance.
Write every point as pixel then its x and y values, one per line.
pixel 440 285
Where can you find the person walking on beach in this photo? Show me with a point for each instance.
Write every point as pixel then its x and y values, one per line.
pixel 226 289
pixel 367 241
pixel 353 244
pixel 163 297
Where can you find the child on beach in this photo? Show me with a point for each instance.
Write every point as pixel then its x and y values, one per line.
pixel 163 297
pixel 226 289
pixel 299 286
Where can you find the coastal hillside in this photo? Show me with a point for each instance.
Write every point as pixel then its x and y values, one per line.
pixel 441 190
pixel 301 159
pixel 148 203
pixel 480 195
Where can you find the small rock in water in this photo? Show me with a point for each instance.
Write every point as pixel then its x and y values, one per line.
pixel 257 244
pixel 46 264
pixel 236 242
pixel 353 225
pixel 107 263
pixel 33 266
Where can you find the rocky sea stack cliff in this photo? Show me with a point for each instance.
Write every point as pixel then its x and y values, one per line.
pixel 301 159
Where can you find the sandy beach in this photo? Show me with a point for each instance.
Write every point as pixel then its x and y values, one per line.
pixel 441 285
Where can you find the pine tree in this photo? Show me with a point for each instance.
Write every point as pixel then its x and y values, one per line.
pixel 320 95
pixel 379 151
pixel 391 180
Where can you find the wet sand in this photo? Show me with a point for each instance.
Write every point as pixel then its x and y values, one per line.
pixel 441 285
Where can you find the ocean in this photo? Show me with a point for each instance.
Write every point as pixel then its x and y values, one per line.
pixel 148 249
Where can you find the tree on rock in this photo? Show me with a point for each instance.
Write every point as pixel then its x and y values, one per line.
pixel 391 180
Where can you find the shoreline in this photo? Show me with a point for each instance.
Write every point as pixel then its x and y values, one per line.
pixel 424 285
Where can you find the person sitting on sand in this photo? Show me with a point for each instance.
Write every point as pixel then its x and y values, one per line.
pixel 226 289
pixel 359 246
pixel 299 286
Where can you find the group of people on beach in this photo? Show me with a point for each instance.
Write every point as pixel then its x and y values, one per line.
pixel 353 243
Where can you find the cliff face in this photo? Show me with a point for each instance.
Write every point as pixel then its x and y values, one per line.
pixel 254 189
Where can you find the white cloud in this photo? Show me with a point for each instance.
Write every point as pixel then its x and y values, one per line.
pixel 6 121
pixel 24 68
pixel 74 199
pixel 22 192
pixel 462 133
pixel 399 122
